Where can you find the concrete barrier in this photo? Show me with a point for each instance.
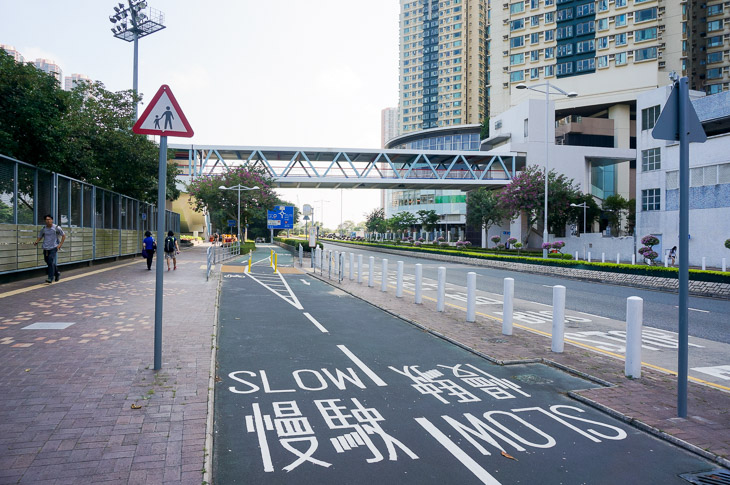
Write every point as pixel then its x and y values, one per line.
pixel 558 343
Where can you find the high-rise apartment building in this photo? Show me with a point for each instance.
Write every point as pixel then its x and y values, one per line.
pixel 388 125
pixel 709 42
pixel 50 67
pixel 71 81
pixel 443 63
pixel 11 50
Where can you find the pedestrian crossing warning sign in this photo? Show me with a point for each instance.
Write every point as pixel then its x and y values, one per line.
pixel 163 117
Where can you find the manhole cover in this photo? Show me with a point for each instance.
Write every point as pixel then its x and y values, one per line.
pixel 532 379
pixel 713 477
pixel 496 340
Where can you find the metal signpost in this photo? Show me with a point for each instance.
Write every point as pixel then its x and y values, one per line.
pixel 678 122
pixel 163 117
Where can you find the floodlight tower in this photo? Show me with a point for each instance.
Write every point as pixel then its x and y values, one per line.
pixel 131 23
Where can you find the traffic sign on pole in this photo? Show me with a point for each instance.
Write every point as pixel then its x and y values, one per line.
pixel 163 117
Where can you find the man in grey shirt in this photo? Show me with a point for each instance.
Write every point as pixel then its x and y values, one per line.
pixel 53 238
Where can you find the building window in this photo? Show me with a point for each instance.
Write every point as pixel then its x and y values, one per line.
pixel 585 28
pixel 602 62
pixel 517 76
pixel 713 88
pixel 585 46
pixel 649 117
pixel 565 14
pixel 549 17
pixel 535 56
pixel 714 10
pixel 602 43
pixel 645 54
pixel 534 73
pixel 549 52
pixel 585 9
pixel 550 70
pixel 565 68
pixel 602 5
pixel 645 15
pixel 584 65
pixel 525 130
pixel 714 25
pixel 620 3
pixel 516 59
pixel 650 200
pixel 714 57
pixel 645 34
pixel 651 159
pixel 517 42
pixel 564 32
pixel 517 7
pixel 715 73
pixel 565 50
pixel 620 59
pixel 602 24
pixel 549 35
pixel 517 24
pixel 535 38
pixel 715 41
pixel 535 21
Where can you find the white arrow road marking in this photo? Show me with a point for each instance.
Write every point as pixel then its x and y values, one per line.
pixel 304 281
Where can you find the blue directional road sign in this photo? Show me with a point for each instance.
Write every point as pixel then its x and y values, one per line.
pixel 231 222
pixel 282 217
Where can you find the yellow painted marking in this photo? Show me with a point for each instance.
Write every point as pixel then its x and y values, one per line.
pixel 227 268
pixel 585 346
pixel 287 270
pixel 64 280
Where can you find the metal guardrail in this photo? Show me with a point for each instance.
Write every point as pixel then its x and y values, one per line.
pixel 218 254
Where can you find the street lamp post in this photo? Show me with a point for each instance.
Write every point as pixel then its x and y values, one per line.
pixel 239 187
pixel 547 90
pixel 130 24
pixel 584 205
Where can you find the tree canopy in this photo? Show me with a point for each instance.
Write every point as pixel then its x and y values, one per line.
pixel 85 133
pixel 483 208
pixel 428 218
pixel 375 221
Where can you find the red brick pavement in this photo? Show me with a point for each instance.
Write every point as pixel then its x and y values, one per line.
pixel 649 403
pixel 66 395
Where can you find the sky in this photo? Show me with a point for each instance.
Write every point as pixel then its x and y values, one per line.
pixel 245 72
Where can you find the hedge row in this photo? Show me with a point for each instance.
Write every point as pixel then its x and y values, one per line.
pixel 641 270
pixel 296 242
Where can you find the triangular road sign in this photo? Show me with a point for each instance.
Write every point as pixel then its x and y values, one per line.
pixel 667 125
pixel 163 117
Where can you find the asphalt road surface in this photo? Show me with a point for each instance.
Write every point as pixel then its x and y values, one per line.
pixel 318 387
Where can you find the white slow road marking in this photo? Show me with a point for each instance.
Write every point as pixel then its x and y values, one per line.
pixel 372 375
pixel 315 322
pixel 458 453
pixel 305 282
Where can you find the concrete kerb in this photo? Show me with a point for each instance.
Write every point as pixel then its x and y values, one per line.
pixel 572 394
pixel 212 373
pixel 635 281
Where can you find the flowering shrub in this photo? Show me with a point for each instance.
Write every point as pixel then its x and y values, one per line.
pixel 441 239
pixel 518 246
pixel 512 241
pixel 495 239
pixel 727 243
pixel 500 246
pixel 420 239
pixel 547 245
pixel 651 255
pixel 418 243
pixel 558 245
pixel 459 244
pixel 649 240
pixel 467 243
pixel 443 244
pixel 436 242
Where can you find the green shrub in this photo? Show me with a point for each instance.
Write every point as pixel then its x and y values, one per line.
pixel 559 256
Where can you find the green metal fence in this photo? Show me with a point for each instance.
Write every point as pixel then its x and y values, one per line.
pixel 98 223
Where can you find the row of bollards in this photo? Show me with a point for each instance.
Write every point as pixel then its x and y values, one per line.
pixel 634 305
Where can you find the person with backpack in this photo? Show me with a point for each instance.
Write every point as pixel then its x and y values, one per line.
pixel 148 250
pixel 171 250
pixel 53 238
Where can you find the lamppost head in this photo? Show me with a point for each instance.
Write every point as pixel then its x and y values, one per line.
pixel 223 187
pixel 521 86
pixel 572 94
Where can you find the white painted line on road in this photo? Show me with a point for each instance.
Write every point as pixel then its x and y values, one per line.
pixel 542 304
pixel 695 309
pixel 592 315
pixel 315 322
pixel 458 453
pixel 304 281
pixel 372 375
pixel 263 444
pixel 547 286
pixel 719 371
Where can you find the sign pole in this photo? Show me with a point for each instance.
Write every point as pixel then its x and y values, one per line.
pixel 159 268
pixel 682 363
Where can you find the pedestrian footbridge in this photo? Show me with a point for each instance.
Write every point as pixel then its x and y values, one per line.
pixel 354 168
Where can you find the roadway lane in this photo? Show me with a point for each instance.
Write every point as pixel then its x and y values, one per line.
pixel 316 386
pixel 709 318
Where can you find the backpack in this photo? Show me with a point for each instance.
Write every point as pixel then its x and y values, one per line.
pixel 169 244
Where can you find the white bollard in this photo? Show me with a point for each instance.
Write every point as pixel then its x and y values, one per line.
pixel 558 319
pixel 589 256
pixel 603 257
pixel 666 261
pixel 337 262
pixel 508 305
pixel 384 278
pixel 352 263
pixel 724 265
pixel 633 259
pixel 399 281
pixel 471 296
pixel 704 263
pixel 371 271
pixel 576 255
pixel 618 258
pixel 359 268
pixel 634 322
pixel 419 280
pixel 441 289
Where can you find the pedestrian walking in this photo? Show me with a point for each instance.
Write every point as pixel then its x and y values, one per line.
pixel 673 254
pixel 148 251
pixel 53 238
pixel 172 249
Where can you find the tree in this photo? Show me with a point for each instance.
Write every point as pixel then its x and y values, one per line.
pixel 223 204
pixel 592 212
pixel 375 221
pixel 85 134
pixel 428 219
pixel 402 221
pixel 614 206
pixel 346 227
pixel 561 193
pixel 483 208
pixel 484 132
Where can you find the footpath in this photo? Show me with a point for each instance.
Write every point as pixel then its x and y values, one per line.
pixel 649 403
pixel 79 401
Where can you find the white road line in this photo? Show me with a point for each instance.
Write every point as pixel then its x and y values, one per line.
pixel 592 315
pixel 372 375
pixel 316 323
pixel 548 286
pixel 458 453
pixel 261 431
pixel 695 309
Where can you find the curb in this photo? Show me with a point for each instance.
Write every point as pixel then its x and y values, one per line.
pixel 572 394
pixel 208 450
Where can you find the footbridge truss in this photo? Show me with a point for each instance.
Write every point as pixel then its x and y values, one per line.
pixel 353 168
